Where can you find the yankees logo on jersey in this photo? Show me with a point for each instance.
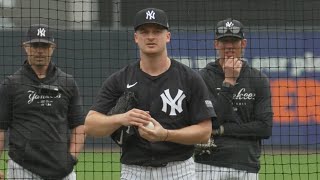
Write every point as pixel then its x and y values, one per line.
pixel 175 104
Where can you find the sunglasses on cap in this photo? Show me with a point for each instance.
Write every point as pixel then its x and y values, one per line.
pixel 40 45
pixel 233 29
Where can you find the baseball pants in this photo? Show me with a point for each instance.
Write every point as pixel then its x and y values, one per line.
pixel 209 172
pixel 178 170
pixel 15 171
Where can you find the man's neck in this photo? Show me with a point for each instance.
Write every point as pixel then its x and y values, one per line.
pixel 41 71
pixel 156 65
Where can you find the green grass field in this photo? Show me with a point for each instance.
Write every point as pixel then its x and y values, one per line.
pixel 106 166
pixel 100 166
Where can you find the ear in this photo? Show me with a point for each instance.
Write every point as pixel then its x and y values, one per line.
pixel 244 43
pixel 168 37
pixel 135 37
pixel 53 47
pixel 215 44
pixel 26 48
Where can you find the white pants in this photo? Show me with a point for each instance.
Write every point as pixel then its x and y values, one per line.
pixel 15 171
pixel 179 170
pixel 208 172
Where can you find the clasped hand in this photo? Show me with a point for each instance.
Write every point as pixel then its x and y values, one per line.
pixel 232 67
pixel 140 118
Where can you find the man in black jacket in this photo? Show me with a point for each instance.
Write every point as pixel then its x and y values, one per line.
pixel 242 100
pixel 42 108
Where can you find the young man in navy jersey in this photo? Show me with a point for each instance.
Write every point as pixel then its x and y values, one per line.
pixel 42 108
pixel 170 95
pixel 242 100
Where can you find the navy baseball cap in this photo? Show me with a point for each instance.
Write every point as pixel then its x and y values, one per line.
pixel 151 15
pixel 39 33
pixel 229 28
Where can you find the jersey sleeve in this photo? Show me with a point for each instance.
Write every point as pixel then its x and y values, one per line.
pixel 201 106
pixel 107 95
pixel 5 106
pixel 75 114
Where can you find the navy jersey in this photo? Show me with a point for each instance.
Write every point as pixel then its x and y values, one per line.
pixel 245 111
pixel 39 114
pixel 176 99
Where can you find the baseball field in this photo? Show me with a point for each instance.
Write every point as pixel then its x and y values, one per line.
pixel 106 166
pixel 101 166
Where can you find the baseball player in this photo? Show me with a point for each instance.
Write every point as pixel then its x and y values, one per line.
pixel 242 101
pixel 41 107
pixel 169 95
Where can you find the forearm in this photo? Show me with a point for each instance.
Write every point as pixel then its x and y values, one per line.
pixel 194 134
pixel 261 128
pixel 77 140
pixel 224 107
pixel 98 124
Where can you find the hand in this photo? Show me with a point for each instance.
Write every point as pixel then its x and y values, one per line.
pixel 135 117
pixel 232 67
pixel 153 135
pixel 1 175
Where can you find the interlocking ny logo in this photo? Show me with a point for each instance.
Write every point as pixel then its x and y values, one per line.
pixel 167 100
pixel 150 15
pixel 41 32
pixel 229 24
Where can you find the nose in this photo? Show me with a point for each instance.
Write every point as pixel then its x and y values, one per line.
pixel 150 35
pixel 40 50
pixel 228 47
pixel 228 44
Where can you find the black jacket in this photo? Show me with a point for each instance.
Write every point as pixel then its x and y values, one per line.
pixel 39 114
pixel 245 111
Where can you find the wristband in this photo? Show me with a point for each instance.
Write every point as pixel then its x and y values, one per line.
pixel 166 135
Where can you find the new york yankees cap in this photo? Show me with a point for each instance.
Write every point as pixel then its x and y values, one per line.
pixel 151 15
pixel 39 33
pixel 229 28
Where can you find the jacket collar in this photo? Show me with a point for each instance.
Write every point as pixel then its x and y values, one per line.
pixel 28 71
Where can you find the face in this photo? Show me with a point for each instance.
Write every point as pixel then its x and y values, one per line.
pixel 39 54
pixel 230 47
pixel 152 38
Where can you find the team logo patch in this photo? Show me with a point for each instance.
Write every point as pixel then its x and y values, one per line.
pixel 175 103
pixel 208 103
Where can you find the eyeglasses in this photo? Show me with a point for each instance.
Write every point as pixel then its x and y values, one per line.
pixel 233 29
pixel 40 45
